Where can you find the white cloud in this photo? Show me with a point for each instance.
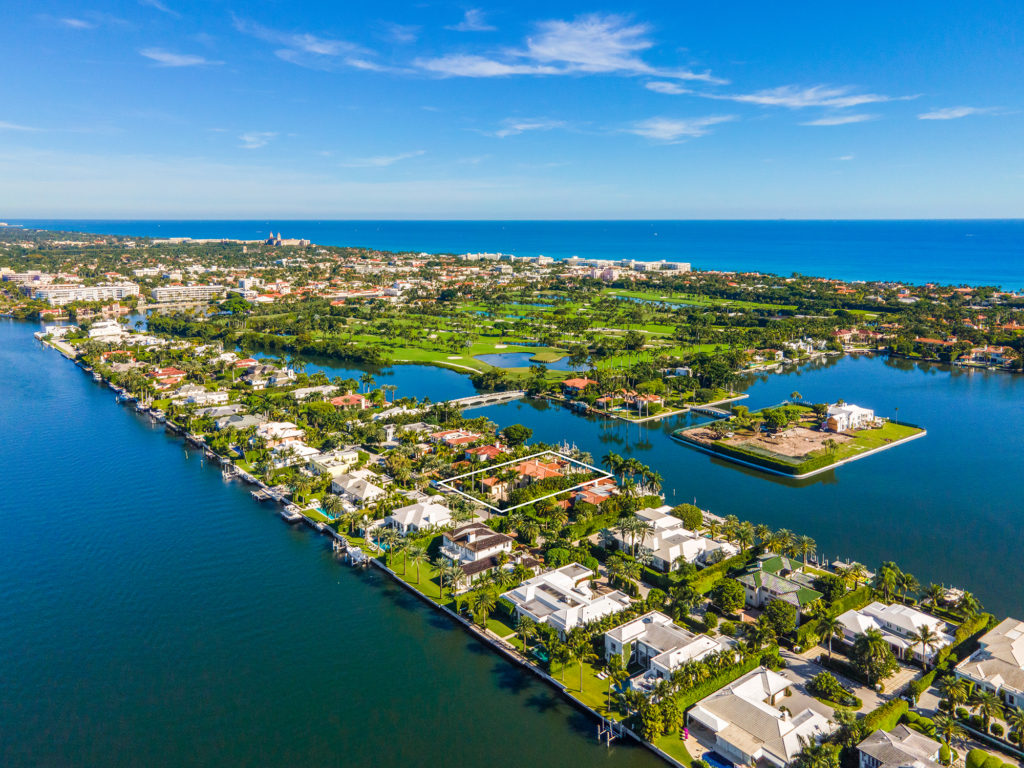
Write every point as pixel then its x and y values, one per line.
pixel 5 126
pixel 590 44
pixel 473 21
pixel 841 120
pixel 158 5
pixel 381 161
pixel 256 139
pixel 401 33
pixel 463 65
pixel 952 113
pixel 845 157
pixel 77 23
pixel 513 127
pixel 313 51
pixel 662 86
pixel 170 59
pixel 674 130
pixel 796 97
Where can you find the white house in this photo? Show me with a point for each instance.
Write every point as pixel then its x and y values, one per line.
pixel 752 721
pixel 206 397
pixel 419 517
pixel 303 393
pixel 106 331
pixel 659 645
pixel 898 748
pixel 998 665
pixel 475 547
pixel 563 598
pixel 290 454
pixel 896 622
pixel 356 490
pixel 845 417
pixel 669 540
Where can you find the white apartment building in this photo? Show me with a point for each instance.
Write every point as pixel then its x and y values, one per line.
pixel 187 292
pixel 59 295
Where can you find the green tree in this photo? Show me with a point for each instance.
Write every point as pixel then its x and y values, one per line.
pixel 728 595
pixel 872 656
pixel 780 616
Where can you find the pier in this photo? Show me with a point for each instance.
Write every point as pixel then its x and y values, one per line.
pixel 491 398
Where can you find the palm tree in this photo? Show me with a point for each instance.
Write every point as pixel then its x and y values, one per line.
pixel 527 629
pixel 926 637
pixel 401 545
pixel 481 603
pixel 745 535
pixel 948 730
pixel 829 627
pixel 417 555
pixel 955 690
pixel 581 652
pixel 1015 720
pixel 907 584
pixel 934 593
pixel 986 704
pixel 805 545
pixel 969 604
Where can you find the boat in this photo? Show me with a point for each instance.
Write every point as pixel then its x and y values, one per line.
pixel 97 377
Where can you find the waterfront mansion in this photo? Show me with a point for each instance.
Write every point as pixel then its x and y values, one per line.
pixel 842 417
pixel 898 624
pixel 669 540
pixel 658 645
pixel 753 719
pixel 476 548
pixel 564 598
pixel 998 664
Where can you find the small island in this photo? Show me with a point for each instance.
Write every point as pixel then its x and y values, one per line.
pixel 798 439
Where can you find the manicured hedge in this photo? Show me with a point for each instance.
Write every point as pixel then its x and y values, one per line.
pixel 688 698
pixel 887 716
pixel 856 599
pixel 707 577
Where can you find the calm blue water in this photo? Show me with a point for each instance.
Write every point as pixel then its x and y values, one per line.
pixel 973 252
pixel 945 506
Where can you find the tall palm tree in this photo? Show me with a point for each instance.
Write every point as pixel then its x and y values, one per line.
pixel 1015 719
pixel 927 638
pixel 934 593
pixel 828 628
pixel 582 653
pixel 969 604
pixel 400 545
pixel 954 689
pixel 987 704
pixel 745 535
pixel 527 629
pixel 948 730
pixel 481 603
pixel 417 555
pixel 856 573
pixel 805 545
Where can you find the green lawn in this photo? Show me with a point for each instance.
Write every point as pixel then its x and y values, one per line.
pixel 313 515
pixel 672 745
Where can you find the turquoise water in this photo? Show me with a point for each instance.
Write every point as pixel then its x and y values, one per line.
pixel 954 251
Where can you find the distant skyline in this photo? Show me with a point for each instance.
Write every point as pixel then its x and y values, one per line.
pixel 166 109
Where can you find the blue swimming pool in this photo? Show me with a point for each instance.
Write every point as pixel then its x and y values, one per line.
pixel 715 760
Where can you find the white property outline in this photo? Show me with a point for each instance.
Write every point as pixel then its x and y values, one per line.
pixel 603 476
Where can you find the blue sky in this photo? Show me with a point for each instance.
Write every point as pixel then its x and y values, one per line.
pixel 168 109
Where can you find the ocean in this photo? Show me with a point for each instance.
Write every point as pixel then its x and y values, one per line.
pixel 958 252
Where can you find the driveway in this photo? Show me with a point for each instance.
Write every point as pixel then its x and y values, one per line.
pixel 800 670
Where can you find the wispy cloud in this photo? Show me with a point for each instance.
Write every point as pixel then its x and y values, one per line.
pixel 308 50
pixel 381 161
pixel 672 130
pixel 953 113
pixel 663 86
pixel 5 126
pixel 841 120
pixel 797 97
pixel 473 21
pixel 590 44
pixel 77 23
pixel 158 5
pixel 845 158
pixel 513 127
pixel 256 139
pixel 171 59
pixel 401 33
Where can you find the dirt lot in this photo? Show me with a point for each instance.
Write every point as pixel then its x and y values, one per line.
pixel 795 442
